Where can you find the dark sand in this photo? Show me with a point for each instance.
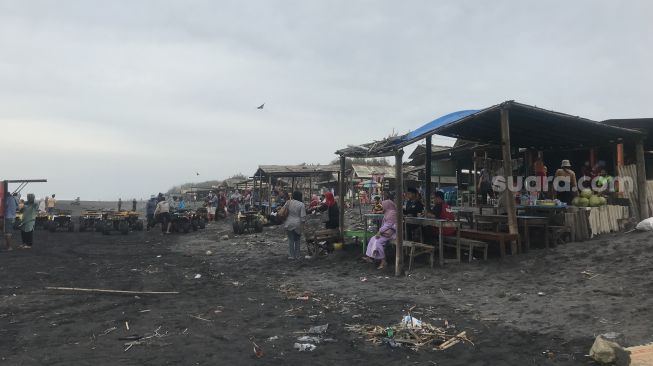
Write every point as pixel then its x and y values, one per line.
pixel 240 299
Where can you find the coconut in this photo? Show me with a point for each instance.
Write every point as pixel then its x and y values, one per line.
pixel 586 193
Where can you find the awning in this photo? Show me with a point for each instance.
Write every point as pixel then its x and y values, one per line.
pixel 530 127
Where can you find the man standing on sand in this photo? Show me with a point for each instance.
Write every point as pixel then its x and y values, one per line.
pixel 149 211
pixel 10 216
pixel 162 213
pixel 29 219
pixel 119 204
pixel 51 204
pixel 134 204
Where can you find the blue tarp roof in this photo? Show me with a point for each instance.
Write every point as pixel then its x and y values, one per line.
pixel 439 122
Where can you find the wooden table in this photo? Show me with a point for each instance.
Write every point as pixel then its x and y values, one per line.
pixel 501 238
pixel 440 224
pixel 466 213
pixel 542 209
pixel 523 221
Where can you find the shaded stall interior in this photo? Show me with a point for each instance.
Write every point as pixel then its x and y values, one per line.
pixel 510 126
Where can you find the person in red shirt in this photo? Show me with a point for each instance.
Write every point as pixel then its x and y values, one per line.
pixel 441 210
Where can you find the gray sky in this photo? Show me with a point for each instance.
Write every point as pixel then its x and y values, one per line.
pixel 113 99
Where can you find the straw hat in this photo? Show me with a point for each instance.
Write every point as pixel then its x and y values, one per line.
pixel 565 164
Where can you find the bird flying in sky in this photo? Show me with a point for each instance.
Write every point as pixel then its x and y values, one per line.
pixel 261 106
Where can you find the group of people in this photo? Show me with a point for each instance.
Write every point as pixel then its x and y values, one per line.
pixel 414 207
pixel 158 209
pixel 29 209
pixel 134 204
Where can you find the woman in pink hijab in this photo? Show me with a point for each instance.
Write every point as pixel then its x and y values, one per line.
pixel 388 231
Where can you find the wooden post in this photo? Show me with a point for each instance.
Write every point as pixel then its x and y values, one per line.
pixel 341 195
pixel 353 190
pixel 269 194
pixel 399 202
pixel 641 181
pixel 475 178
pixel 427 171
pixel 507 170
pixel 260 191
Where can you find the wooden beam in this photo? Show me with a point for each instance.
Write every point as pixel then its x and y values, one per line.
pixel 427 171
pixel 341 195
pixel 399 202
pixel 641 180
pixel 269 194
pixel 507 170
pixel 475 178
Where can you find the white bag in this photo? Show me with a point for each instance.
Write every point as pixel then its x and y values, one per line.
pixel 645 225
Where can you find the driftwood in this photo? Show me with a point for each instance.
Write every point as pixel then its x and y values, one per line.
pixel 104 291
pixel 452 341
pixel 414 337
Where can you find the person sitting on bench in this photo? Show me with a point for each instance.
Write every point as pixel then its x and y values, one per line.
pixel 378 207
pixel 387 232
pixel 441 210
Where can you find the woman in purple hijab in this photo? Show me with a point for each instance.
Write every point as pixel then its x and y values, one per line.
pixel 388 231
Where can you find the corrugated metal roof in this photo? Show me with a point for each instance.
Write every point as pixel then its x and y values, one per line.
pixel 367 171
pixel 295 170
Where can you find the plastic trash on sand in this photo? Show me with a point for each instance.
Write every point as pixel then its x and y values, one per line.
pixel 318 329
pixel 304 347
pixel 645 225
pixel 411 322
pixel 307 339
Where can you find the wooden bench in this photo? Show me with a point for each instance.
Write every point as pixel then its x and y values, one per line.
pixel 450 242
pixel 416 249
pixel 501 238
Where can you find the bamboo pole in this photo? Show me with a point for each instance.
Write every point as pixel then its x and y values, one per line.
pixel 399 202
pixel 98 290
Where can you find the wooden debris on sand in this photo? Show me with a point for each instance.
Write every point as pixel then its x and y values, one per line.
pixel 414 337
pixel 146 340
pixel 99 290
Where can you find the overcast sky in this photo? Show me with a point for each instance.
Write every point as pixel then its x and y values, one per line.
pixel 111 99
